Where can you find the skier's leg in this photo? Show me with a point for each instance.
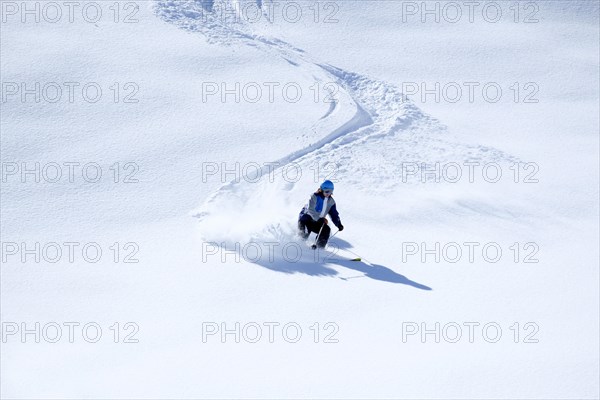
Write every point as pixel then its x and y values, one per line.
pixel 324 237
pixel 312 225
pixel 303 229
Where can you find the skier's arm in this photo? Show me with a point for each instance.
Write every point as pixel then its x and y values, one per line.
pixel 335 216
pixel 312 204
pixel 307 205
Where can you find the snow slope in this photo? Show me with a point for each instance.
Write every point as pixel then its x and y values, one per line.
pixel 364 140
pixel 386 126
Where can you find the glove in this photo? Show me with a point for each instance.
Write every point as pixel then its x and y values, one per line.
pixel 341 227
pixel 322 221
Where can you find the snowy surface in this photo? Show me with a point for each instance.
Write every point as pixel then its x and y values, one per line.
pixel 167 209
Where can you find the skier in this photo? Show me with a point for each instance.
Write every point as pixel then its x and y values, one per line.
pixel 312 217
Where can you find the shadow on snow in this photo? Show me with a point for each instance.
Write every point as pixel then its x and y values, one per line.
pixel 316 264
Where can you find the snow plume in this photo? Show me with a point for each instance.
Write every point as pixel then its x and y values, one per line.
pixel 235 214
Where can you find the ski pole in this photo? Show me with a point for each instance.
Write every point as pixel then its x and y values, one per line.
pixel 359 258
pixel 314 246
pixel 336 232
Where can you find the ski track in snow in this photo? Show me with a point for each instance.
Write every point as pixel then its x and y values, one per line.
pixel 386 130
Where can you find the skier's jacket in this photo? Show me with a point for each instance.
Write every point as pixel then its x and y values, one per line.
pixel 319 206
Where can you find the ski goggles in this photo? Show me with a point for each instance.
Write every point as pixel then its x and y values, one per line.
pixel 327 191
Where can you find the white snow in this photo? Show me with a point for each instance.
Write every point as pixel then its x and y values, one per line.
pixel 195 226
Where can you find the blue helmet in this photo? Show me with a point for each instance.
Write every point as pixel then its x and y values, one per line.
pixel 327 185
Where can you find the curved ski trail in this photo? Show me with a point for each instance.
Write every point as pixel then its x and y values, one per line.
pixel 386 127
